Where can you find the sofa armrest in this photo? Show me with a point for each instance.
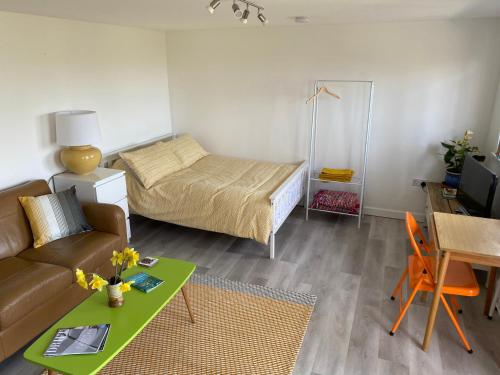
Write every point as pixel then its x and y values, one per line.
pixel 108 218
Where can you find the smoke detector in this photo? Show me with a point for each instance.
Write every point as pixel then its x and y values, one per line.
pixel 301 19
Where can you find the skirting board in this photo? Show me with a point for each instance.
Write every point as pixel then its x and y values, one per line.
pixel 393 214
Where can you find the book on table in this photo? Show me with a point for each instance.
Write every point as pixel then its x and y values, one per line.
pixel 148 262
pixel 78 340
pixel 144 282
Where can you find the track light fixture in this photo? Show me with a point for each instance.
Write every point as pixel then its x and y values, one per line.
pixel 236 10
pixel 262 18
pixel 244 17
pixel 213 4
pixel 241 15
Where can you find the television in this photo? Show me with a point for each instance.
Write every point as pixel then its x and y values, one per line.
pixel 477 187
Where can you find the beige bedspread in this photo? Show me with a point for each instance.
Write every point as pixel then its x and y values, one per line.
pixel 217 193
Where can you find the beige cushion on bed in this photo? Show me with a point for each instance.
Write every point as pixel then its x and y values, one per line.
pixel 187 149
pixel 151 164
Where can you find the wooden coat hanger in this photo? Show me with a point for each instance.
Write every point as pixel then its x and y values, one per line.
pixel 322 90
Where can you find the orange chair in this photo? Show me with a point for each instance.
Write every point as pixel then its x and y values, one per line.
pixel 460 279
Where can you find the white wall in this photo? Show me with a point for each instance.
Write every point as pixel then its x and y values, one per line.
pixel 491 143
pixel 242 91
pixel 48 65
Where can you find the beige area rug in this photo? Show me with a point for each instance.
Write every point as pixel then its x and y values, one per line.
pixel 240 329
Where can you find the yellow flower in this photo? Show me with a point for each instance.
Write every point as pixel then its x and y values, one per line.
pixel 80 279
pixel 97 282
pixel 117 258
pixel 127 252
pixel 125 287
pixel 131 256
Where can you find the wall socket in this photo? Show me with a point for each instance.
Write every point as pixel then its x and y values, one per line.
pixel 418 182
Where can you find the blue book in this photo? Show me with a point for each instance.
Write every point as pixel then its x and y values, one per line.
pixel 144 282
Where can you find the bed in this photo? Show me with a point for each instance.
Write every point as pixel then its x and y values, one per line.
pixel 242 198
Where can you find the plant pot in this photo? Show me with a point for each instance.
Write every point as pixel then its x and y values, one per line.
pixel 452 179
pixel 115 295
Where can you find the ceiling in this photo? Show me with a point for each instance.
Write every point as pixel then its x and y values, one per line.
pixel 192 14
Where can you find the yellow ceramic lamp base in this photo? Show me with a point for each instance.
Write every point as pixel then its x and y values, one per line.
pixel 81 159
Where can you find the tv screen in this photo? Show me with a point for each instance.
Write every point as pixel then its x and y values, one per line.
pixel 477 187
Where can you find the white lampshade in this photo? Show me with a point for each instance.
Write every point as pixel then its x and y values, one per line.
pixel 77 128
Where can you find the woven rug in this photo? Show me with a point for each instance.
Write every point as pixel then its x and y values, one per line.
pixel 240 329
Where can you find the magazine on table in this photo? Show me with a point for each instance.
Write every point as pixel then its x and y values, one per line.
pixel 78 340
pixel 144 282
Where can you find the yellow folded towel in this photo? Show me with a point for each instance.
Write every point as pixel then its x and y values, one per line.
pixel 349 172
pixel 340 175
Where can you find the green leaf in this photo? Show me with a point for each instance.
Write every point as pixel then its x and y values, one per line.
pixel 446 145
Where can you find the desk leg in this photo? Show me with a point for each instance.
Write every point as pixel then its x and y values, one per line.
pixel 491 290
pixel 443 266
pixel 186 299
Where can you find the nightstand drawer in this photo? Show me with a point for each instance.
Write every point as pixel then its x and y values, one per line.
pixel 124 206
pixel 112 191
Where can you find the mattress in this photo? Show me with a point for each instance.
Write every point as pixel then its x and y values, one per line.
pixel 217 193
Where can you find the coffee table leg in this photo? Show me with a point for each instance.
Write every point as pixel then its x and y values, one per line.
pixel 186 299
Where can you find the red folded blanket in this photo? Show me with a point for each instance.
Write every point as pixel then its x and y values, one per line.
pixel 338 201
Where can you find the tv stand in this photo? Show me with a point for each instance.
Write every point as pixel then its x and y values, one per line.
pixel 461 211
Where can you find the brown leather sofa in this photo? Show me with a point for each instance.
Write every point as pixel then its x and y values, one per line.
pixel 37 286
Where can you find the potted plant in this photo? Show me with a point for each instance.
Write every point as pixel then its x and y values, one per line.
pixel 115 286
pixel 455 157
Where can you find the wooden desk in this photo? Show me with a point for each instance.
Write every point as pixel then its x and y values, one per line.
pixel 463 238
pixel 436 203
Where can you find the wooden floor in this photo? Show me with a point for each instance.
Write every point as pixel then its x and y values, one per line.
pixel 352 272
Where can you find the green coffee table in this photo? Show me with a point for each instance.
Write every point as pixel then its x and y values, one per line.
pixel 126 321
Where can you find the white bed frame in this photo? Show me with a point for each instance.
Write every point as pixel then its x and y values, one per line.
pixel 283 199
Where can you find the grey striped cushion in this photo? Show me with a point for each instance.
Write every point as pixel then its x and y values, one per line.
pixel 54 216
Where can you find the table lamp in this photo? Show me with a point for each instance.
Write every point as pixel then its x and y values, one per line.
pixel 78 131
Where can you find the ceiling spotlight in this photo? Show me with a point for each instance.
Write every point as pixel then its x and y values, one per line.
pixel 213 4
pixel 236 10
pixel 262 18
pixel 244 17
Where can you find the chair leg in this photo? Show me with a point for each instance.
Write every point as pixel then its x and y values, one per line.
pixel 455 324
pixel 455 304
pixel 400 283
pixel 405 308
pixel 494 301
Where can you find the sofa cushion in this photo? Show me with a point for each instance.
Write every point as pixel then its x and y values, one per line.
pixel 87 251
pixel 54 216
pixel 15 235
pixel 24 285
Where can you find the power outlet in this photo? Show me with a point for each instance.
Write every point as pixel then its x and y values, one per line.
pixel 418 182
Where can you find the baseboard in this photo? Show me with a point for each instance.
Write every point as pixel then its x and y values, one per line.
pixel 393 214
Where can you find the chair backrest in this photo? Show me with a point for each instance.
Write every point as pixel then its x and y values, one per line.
pixel 418 242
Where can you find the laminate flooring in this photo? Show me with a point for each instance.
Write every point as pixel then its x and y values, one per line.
pixel 352 272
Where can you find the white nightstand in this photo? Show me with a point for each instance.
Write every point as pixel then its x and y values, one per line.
pixel 102 186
